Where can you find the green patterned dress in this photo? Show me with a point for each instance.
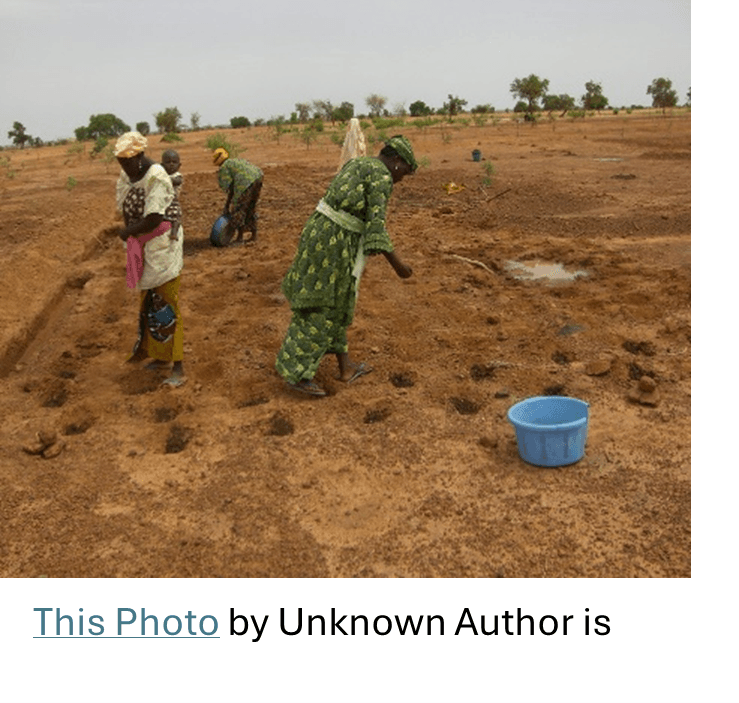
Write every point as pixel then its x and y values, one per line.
pixel 321 283
pixel 244 181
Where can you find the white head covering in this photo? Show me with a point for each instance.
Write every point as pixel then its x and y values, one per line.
pixel 130 144
pixel 354 144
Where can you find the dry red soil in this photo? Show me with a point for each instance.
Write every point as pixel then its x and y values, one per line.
pixel 412 471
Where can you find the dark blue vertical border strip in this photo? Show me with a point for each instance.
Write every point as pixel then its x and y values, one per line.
pixel 715 292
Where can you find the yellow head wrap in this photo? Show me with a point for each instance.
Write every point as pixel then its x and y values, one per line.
pixel 130 144
pixel 219 156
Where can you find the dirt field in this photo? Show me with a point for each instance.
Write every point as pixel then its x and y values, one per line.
pixel 413 471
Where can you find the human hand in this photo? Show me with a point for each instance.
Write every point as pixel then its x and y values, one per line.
pixel 111 231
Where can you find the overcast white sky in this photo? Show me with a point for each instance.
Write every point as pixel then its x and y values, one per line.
pixel 62 61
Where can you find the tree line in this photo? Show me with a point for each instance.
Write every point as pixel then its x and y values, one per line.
pixel 531 91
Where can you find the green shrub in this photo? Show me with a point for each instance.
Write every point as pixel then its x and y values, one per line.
pixel 171 137
pixel 419 108
pixel 220 141
pixel 489 171
pixel 100 144
pixel 381 123
pixel 71 182
pixel 426 122
pixel 308 134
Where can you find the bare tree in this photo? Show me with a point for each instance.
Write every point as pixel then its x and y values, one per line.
pixel 303 110
pixel 324 109
pixel 399 110
pixel 376 104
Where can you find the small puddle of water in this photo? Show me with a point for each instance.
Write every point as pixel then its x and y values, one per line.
pixel 538 270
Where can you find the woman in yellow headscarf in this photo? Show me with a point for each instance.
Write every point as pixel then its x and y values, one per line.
pixel 145 196
pixel 242 183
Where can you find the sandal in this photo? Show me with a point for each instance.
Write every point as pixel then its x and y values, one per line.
pixel 309 388
pixel 361 370
pixel 174 381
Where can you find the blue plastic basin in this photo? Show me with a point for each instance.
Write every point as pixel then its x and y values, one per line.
pixel 550 430
pixel 219 236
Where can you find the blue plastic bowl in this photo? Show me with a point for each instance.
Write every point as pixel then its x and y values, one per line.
pixel 550 430
pixel 219 233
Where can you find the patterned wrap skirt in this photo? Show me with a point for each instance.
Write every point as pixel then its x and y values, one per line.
pixel 161 334
pixel 244 211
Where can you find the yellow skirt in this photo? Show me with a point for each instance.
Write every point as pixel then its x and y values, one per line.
pixel 147 346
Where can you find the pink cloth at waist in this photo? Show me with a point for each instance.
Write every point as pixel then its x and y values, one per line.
pixel 135 253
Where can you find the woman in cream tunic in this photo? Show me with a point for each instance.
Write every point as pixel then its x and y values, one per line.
pixel 143 194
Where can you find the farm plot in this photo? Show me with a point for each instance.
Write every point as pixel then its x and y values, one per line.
pixel 412 471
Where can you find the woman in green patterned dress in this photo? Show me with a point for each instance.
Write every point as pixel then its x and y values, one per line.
pixel 322 282
pixel 242 183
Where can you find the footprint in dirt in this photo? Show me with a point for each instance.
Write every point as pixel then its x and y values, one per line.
pixel 177 439
pixel 646 348
pixel 402 379
pixel 139 382
pixel 482 372
pixel 376 415
pixel 464 406
pixel 252 401
pixel 557 389
pixel 55 395
pixel 165 414
pixel 280 426
pixel 78 422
